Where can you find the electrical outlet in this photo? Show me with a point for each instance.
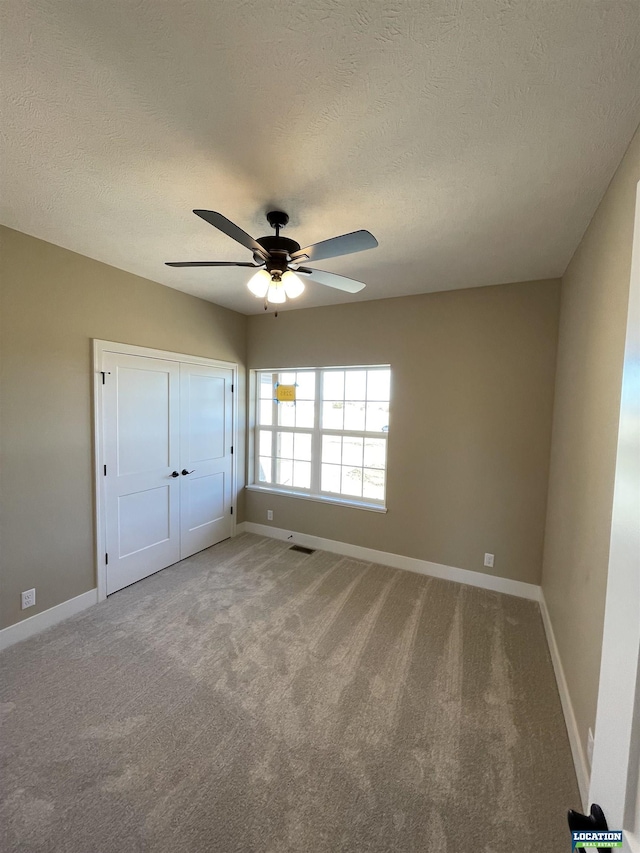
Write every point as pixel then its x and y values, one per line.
pixel 269 515
pixel 590 747
pixel 28 598
pixel 488 560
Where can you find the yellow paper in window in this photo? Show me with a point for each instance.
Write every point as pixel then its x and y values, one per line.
pixel 286 393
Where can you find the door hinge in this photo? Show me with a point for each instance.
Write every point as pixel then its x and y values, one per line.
pixel 106 559
pixel 231 510
pixel 232 449
pixel 232 386
pixel 104 373
pixel 105 470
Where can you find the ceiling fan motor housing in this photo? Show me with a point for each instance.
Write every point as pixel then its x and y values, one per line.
pixel 279 248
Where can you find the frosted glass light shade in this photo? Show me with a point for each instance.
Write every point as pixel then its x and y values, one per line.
pixel 259 283
pixel 292 285
pixel 276 293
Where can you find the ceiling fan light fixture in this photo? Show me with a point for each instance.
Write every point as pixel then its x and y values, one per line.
pixel 259 284
pixel 276 294
pixel 292 284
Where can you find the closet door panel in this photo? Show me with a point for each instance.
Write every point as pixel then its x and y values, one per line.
pixel 206 425
pixel 141 451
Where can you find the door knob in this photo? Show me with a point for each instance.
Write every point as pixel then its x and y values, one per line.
pixel 185 472
pixel 174 474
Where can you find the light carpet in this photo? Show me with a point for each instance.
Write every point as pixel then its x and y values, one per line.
pixel 253 698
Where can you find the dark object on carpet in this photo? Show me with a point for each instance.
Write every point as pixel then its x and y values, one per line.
pixel 595 820
pixel 302 550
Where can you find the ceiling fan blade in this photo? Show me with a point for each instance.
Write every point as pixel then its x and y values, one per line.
pixel 232 230
pixel 209 264
pixel 356 241
pixel 331 279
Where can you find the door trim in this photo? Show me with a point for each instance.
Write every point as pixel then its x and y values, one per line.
pixel 101 347
pixel 617 732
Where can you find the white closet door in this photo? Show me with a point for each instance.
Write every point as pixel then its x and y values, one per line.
pixel 205 456
pixel 141 452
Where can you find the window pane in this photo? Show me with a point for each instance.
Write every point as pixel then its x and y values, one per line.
pixel 331 478
pixel 377 417
pixel 265 414
pixel 378 384
pixel 264 469
pixel 284 472
pixel 373 484
pixel 375 451
pixel 352 451
pixel 302 447
pixel 284 445
pixel 354 416
pixel 348 430
pixel 332 415
pixel 306 389
pixel 332 448
pixel 286 414
pixel 266 386
pixel 265 443
pixel 302 475
pixel 352 481
pixel 333 385
pixel 355 387
pixel 305 415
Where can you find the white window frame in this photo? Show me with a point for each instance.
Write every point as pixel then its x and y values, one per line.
pixel 316 432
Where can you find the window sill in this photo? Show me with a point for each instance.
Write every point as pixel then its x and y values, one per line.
pixel 317 498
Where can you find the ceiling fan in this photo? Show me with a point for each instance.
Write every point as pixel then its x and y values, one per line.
pixel 280 260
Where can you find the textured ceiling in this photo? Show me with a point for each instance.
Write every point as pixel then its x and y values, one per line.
pixel 474 138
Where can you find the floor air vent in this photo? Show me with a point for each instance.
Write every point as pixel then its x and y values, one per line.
pixel 302 550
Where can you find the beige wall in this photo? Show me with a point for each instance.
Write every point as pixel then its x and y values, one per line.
pixel 595 291
pixel 473 375
pixel 53 303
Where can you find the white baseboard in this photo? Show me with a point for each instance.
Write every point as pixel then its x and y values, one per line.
pixel 46 619
pixel 577 751
pixel 397 561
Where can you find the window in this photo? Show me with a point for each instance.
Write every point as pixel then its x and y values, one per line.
pixel 331 444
